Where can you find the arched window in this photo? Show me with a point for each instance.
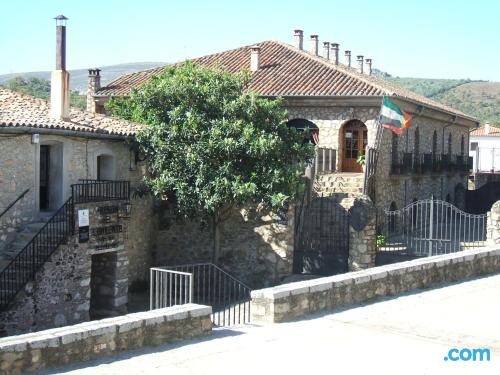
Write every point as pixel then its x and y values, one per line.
pixel 462 145
pixel 449 144
pixel 434 143
pixel 301 124
pixel 394 149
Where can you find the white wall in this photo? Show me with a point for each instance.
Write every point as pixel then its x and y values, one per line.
pixel 487 155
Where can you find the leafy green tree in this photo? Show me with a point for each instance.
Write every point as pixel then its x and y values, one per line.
pixel 213 145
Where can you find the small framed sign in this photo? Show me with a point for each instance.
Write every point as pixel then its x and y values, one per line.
pixel 83 225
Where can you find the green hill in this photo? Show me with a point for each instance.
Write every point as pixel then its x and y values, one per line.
pixel 78 77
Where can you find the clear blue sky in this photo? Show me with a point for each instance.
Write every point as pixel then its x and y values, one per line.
pixel 419 38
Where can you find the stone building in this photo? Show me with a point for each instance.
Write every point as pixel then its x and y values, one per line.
pixel 56 164
pixel 340 103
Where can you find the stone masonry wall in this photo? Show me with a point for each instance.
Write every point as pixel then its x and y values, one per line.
pixel 16 175
pixel 297 300
pixel 256 247
pixel 402 190
pixel 19 170
pixel 60 293
pixel 87 341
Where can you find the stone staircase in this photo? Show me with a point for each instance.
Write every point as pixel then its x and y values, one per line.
pixel 21 238
pixel 350 184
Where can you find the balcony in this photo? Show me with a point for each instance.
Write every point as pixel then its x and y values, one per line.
pixel 406 163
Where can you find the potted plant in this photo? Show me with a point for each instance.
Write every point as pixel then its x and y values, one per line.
pixel 361 160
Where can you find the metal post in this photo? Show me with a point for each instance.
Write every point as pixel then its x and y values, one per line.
pixel 431 225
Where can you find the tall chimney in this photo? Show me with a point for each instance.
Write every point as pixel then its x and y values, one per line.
pixel 487 128
pixel 326 50
pixel 254 58
pixel 299 39
pixel 59 79
pixel 313 48
pixel 360 64
pixel 93 84
pixel 348 58
pixel 334 56
pixel 368 66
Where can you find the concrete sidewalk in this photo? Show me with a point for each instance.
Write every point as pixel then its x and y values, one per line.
pixel 410 334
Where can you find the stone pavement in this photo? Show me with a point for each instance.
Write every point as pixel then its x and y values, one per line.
pixel 410 334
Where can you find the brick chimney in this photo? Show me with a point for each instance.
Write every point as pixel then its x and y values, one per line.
pixel 326 50
pixel 368 63
pixel 360 64
pixel 59 79
pixel 313 47
pixel 334 56
pixel 93 84
pixel 254 58
pixel 299 39
pixel 348 58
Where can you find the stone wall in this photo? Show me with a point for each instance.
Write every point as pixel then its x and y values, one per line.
pixel 255 247
pixel 87 341
pixel 60 293
pixel 362 234
pixel 19 170
pixel 403 190
pixel 296 300
pixel 493 225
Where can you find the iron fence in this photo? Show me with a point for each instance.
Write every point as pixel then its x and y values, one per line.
pixel 325 160
pixel 211 285
pixel 100 190
pixel 409 163
pixel 25 264
pixel 431 227
pixel 169 288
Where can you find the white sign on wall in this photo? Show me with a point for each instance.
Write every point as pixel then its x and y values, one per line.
pixel 83 218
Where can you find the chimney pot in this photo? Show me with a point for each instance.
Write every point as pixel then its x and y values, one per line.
pixel 314 45
pixel 334 56
pixel 348 58
pixel 254 58
pixel 299 39
pixel 326 50
pixel 360 64
pixel 368 66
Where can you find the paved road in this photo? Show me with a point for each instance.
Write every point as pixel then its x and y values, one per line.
pixel 410 334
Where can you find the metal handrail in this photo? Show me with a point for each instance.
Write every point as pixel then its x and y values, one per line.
pixel 14 202
pixel 228 296
pixel 28 261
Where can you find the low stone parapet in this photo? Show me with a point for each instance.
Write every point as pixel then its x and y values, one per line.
pixel 295 300
pixel 90 340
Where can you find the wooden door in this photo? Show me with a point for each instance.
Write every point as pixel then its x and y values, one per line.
pixel 355 139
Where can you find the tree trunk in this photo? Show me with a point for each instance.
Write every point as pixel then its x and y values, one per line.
pixel 216 243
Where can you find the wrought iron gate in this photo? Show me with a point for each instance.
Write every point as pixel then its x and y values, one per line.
pixel 322 242
pixel 431 227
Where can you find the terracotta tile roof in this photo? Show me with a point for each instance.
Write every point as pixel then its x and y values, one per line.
pixel 287 71
pixel 19 110
pixel 481 131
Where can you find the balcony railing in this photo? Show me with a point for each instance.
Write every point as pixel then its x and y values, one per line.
pixel 407 163
pixel 100 190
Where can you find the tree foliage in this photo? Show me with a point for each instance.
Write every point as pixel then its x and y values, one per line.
pixel 211 144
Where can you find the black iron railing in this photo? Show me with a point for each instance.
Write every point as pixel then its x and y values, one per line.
pixel 408 163
pixel 100 190
pixel 21 196
pixel 211 285
pixel 27 262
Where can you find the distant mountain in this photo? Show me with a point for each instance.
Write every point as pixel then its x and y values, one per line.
pixel 79 76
